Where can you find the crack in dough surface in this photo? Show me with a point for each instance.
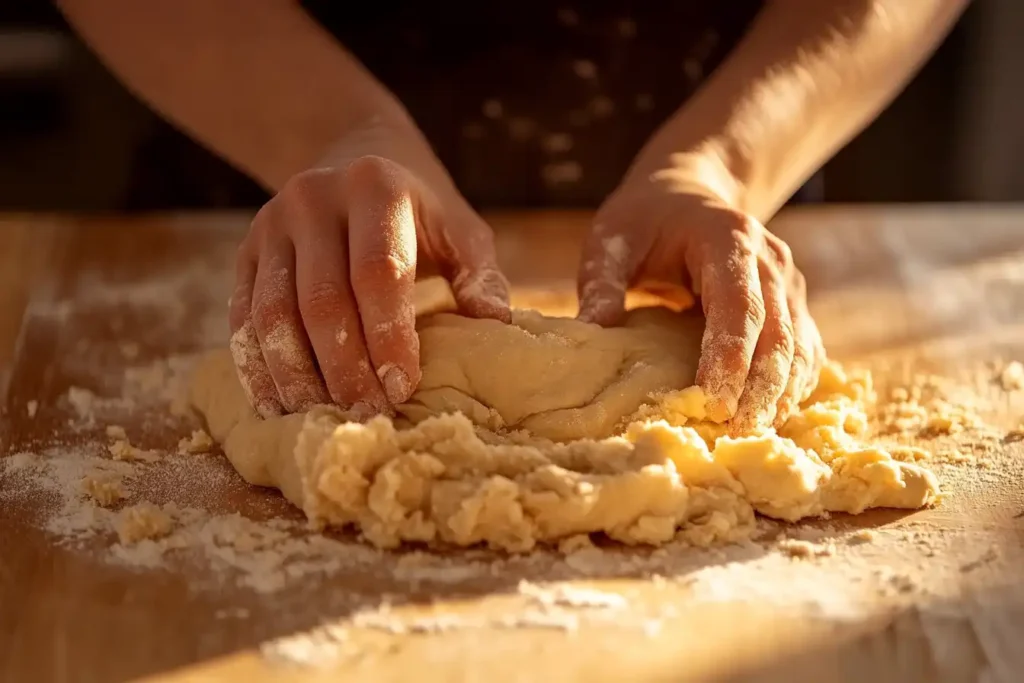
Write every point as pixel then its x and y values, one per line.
pixel 550 428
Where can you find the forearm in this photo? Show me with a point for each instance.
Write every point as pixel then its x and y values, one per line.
pixel 260 83
pixel 806 79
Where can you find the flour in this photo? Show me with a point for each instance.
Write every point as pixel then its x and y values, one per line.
pixel 166 301
pixel 837 578
pixel 799 549
pixel 319 647
pixel 571 596
pixel 837 572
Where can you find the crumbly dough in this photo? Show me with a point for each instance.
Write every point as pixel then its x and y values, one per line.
pixel 550 428
pixel 120 448
pixel 142 521
pixel 198 442
pixel 106 490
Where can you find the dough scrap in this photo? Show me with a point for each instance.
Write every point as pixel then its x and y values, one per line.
pixel 548 429
pixel 141 522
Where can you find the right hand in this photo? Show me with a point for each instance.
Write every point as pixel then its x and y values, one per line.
pixel 322 310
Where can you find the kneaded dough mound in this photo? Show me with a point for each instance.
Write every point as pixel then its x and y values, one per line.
pixel 556 378
pixel 550 428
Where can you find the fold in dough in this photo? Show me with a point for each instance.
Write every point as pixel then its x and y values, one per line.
pixel 556 378
pixel 550 428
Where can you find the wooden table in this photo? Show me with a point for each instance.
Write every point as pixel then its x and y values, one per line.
pixel 900 289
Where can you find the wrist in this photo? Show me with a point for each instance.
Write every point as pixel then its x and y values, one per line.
pixel 707 167
pixel 395 138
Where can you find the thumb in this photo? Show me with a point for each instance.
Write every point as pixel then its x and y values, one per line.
pixel 605 271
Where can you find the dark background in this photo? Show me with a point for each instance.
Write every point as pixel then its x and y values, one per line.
pixel 71 136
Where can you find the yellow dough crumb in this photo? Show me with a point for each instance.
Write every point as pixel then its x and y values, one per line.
pixel 864 536
pixel 122 449
pixel 198 442
pixel 106 490
pixel 446 481
pixel 1012 376
pixel 802 550
pixel 925 408
pixel 142 521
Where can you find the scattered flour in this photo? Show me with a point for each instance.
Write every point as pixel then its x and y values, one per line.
pixel 100 493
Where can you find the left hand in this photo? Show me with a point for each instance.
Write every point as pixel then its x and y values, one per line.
pixel 761 351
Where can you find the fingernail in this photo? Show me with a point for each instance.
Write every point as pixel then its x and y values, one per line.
pixel 721 409
pixel 362 411
pixel 396 385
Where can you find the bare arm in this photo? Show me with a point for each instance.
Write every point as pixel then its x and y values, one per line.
pixel 260 83
pixel 807 78
pixel 322 308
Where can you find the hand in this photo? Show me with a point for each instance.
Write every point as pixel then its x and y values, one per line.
pixel 322 309
pixel 761 351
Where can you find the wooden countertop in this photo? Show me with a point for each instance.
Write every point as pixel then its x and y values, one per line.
pixel 900 289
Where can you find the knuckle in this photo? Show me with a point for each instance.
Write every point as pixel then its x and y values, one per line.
pixel 746 229
pixel 322 301
pixel 380 269
pixel 781 252
pixel 753 308
pixel 300 191
pixel 784 339
pixel 260 224
pixel 802 361
pixel 265 230
pixel 370 170
pixel 803 357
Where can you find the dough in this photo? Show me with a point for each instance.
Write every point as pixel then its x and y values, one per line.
pixel 550 428
pixel 556 378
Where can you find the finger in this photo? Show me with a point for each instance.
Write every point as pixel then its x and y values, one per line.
pixel 382 258
pixel 240 303
pixel 606 267
pixel 801 376
pixel 735 313
pixel 481 290
pixel 282 337
pixel 253 373
pixel 820 357
pixel 773 355
pixel 331 317
pixel 470 261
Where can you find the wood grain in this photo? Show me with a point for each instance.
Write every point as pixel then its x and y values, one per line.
pixel 898 289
